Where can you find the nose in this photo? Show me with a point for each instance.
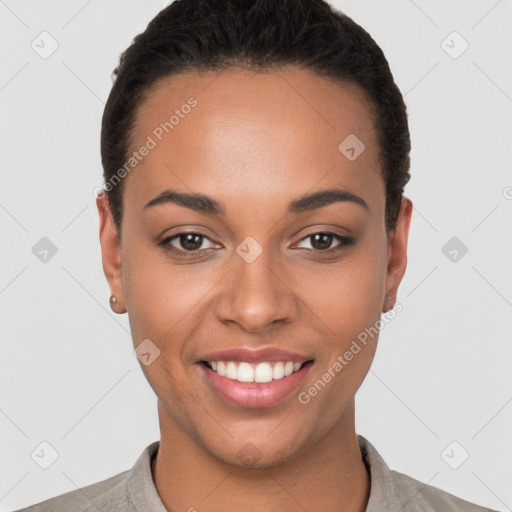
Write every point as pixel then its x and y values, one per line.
pixel 256 295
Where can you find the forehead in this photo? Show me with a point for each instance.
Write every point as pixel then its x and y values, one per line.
pixel 233 132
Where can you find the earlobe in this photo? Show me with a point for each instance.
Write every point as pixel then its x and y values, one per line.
pixel 111 254
pixel 397 254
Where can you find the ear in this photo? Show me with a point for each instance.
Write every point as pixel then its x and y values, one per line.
pixel 111 253
pixel 397 253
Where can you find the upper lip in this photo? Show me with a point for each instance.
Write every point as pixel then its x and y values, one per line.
pixel 255 356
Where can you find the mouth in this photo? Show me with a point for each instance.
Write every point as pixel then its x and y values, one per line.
pixel 254 385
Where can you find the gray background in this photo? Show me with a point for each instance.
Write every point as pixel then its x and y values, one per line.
pixel 68 375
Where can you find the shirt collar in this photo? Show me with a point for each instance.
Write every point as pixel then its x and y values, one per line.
pixel 382 497
pixel 140 488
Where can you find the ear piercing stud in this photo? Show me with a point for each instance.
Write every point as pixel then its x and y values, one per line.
pixel 113 302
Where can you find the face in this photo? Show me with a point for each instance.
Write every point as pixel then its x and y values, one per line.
pixel 255 264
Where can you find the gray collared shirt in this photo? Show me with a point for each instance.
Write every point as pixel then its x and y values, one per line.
pixel 135 491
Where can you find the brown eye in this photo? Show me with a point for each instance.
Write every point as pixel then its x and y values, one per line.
pixel 190 241
pixel 322 242
pixel 185 244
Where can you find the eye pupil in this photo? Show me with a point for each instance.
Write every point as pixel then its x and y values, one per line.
pixel 324 239
pixel 191 241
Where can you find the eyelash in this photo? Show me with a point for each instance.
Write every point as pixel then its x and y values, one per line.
pixel 345 241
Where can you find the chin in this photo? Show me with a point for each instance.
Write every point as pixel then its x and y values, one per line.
pixel 258 454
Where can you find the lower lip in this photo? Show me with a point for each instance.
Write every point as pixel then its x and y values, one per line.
pixel 255 394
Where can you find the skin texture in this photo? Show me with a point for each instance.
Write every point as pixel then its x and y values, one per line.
pixel 255 142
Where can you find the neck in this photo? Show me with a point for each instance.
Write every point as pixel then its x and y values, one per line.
pixel 331 472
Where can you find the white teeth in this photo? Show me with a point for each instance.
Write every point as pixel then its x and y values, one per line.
pixel 278 371
pixel 231 370
pixel 247 372
pixel 288 369
pixel 263 373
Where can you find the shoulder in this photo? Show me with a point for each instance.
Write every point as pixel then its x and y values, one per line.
pixel 108 496
pixel 391 490
pixel 415 496
pixel 125 492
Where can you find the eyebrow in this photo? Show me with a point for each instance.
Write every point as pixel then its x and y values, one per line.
pixel 307 202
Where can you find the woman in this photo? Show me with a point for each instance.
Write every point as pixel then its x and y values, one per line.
pixel 254 227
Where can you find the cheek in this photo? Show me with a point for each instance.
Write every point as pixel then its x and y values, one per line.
pixel 347 296
pixel 164 298
pixel 150 289
pixel 349 305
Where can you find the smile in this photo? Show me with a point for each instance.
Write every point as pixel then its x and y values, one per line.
pixel 265 384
